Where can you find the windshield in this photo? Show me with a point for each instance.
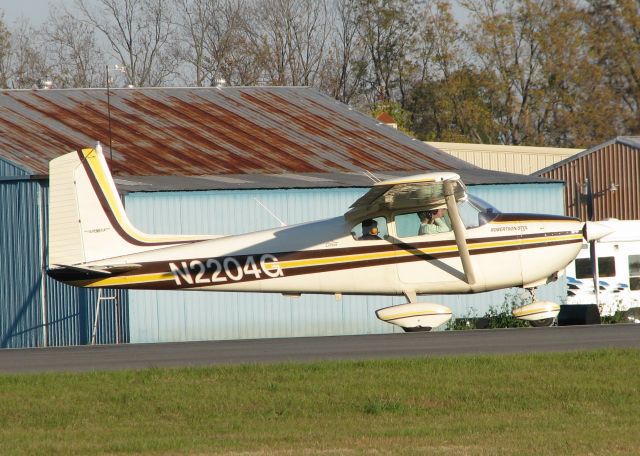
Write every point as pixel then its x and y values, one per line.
pixel 475 211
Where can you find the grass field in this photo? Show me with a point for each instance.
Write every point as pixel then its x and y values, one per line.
pixel 571 403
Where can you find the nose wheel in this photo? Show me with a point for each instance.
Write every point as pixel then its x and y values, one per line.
pixel 538 313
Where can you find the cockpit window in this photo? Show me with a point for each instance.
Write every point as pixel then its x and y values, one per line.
pixel 433 220
pixel 423 222
pixel 371 229
pixel 475 211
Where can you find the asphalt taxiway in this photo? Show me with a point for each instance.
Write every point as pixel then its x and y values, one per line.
pixel 304 349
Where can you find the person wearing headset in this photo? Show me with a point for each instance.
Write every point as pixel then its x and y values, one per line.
pixel 369 230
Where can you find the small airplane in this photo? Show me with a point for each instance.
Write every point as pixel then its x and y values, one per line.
pixel 417 235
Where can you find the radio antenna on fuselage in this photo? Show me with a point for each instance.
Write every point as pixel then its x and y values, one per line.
pixel 270 212
pixel 109 117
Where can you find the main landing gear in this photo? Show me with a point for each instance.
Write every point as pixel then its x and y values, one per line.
pixel 538 313
pixel 415 316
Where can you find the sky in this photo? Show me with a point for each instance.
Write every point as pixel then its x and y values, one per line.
pixel 34 10
pixel 37 10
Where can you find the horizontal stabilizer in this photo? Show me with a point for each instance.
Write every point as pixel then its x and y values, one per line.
pixel 74 272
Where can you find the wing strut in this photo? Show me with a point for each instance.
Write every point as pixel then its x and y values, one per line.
pixel 459 231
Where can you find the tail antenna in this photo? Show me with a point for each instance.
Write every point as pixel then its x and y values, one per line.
pixel 270 212
pixel 371 176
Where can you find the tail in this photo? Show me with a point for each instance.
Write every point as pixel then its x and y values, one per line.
pixel 87 221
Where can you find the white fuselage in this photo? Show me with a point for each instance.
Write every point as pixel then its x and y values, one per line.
pixel 324 257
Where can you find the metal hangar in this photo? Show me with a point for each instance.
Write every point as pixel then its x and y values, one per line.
pixel 210 160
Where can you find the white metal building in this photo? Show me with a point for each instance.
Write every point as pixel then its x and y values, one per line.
pixel 509 159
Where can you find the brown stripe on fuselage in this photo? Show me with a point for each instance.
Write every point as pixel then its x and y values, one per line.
pixel 104 203
pixel 382 247
pixel 162 267
pixel 525 217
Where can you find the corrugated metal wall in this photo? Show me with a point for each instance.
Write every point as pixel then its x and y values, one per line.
pixel 21 309
pixel 520 163
pixel 71 311
pixel 614 163
pixel 177 316
pixel 8 169
pixel 24 288
pixel 510 159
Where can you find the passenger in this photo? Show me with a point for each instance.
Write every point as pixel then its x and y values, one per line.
pixel 432 222
pixel 369 230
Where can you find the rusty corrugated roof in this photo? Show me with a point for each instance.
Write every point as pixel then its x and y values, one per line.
pixel 207 131
pixel 191 138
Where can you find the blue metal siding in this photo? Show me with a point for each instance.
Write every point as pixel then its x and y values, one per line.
pixel 71 310
pixel 234 212
pixel 158 316
pixel 24 287
pixel 20 265
pixel 530 198
pixel 8 169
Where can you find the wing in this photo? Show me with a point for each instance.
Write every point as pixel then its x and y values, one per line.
pixel 422 191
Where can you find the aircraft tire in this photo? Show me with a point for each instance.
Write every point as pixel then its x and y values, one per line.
pixel 542 323
pixel 417 329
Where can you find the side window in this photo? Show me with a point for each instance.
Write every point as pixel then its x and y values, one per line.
pixel 372 229
pixel 606 267
pixel 407 225
pixel 634 272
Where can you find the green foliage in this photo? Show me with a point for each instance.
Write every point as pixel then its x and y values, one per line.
pixel 498 316
pixel 461 324
pixel 456 109
pixel 618 317
pixel 501 317
pixel 399 114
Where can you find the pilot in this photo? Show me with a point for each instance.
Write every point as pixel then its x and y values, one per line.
pixel 432 222
pixel 369 230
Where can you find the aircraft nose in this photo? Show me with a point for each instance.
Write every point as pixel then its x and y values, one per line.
pixel 592 231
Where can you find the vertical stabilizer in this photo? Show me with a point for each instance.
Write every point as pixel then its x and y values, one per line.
pixel 87 221
pixel 65 232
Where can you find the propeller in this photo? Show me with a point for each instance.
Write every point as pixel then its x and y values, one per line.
pixel 592 232
pixel 593 254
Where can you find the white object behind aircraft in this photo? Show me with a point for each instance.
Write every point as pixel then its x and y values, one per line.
pixel 93 244
pixel 618 274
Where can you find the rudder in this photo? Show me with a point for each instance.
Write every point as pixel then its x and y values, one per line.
pixel 87 220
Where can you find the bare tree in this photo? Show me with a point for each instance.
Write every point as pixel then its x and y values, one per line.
pixel 290 37
pixel 440 48
pixel 213 39
pixel 387 28
pixel 345 65
pixel 75 58
pixel 614 41
pixel 5 53
pixel 140 35
pixel 505 37
pixel 27 66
